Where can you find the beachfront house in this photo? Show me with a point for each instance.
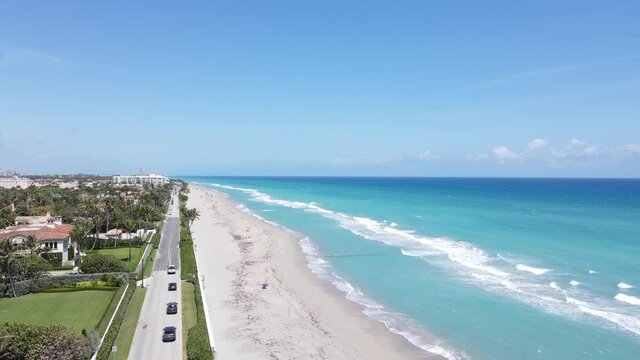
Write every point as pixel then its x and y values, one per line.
pixel 54 237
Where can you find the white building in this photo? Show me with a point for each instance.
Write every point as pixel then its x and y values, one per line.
pixel 68 185
pixel 142 179
pixel 12 182
pixel 53 236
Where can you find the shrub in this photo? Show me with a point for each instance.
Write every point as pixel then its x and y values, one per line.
pixel 43 343
pixel 59 342
pixel 30 266
pixel 93 340
pixel 54 258
pixel 36 285
pixel 109 280
pixel 99 263
pixel 88 243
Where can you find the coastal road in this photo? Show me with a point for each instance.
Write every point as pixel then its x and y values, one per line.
pixel 147 341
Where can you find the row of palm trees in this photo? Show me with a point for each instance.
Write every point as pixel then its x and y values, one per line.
pixel 118 213
pixel 91 210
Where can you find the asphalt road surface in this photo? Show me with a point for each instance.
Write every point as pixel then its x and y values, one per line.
pixel 147 341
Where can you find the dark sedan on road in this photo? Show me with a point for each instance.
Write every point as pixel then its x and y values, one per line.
pixel 172 308
pixel 169 334
pixel 173 286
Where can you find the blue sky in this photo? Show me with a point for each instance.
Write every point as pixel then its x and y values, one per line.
pixel 397 88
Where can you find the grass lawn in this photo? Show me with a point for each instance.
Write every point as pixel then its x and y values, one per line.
pixel 128 327
pixel 122 253
pixel 188 312
pixel 102 327
pixel 81 309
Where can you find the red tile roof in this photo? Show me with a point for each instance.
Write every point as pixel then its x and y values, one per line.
pixel 41 232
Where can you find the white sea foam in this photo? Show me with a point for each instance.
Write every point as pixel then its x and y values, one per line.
pixel 622 285
pixel 574 283
pixel 470 262
pixel 459 252
pixel 628 299
pixel 625 321
pixel 418 253
pixel 592 272
pixel 396 323
pixel 531 269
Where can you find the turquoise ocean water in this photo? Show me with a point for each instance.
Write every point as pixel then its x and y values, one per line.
pixel 472 268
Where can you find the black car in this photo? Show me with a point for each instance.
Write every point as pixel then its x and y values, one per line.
pixel 169 334
pixel 173 286
pixel 172 308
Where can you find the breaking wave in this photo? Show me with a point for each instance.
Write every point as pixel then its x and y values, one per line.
pixel 471 264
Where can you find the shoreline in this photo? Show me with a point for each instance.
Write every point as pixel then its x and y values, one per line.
pixel 299 315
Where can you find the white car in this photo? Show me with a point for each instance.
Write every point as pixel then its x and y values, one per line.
pixel 171 269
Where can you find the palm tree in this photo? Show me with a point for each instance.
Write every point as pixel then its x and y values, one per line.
pixel 190 215
pixel 79 232
pixel 119 217
pixel 32 244
pixel 129 226
pixel 97 219
pixel 7 252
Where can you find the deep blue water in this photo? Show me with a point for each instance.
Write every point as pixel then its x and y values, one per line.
pixel 473 268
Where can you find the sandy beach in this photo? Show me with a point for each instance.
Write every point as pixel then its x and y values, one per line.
pixel 298 316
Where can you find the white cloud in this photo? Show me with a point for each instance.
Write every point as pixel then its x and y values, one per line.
pixel 476 157
pixel 632 148
pixel 591 150
pixel 576 142
pixel 427 155
pixel 11 55
pixel 501 152
pixel 344 161
pixel 537 144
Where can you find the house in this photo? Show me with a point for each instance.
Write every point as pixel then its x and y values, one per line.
pixel 35 220
pixel 55 237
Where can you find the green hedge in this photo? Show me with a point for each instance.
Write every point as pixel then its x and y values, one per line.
pixel 112 334
pixel 76 289
pixel 198 345
pixel 185 234
pixel 37 285
pixel 188 268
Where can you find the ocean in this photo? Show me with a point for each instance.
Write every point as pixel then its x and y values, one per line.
pixel 471 268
